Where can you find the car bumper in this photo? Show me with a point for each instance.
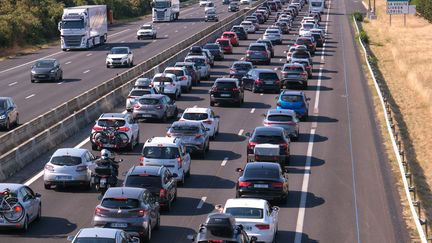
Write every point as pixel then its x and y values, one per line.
pixel 64 179
pixel 267 88
pixel 49 76
pixel 143 36
pixel 138 225
pixel 4 224
pixel 147 115
pixel 266 237
pixel 294 81
pixel 116 63
pixel 267 195
pixel 225 100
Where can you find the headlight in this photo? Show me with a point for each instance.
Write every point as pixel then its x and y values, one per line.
pixel 52 71
pixel 108 59
pixel 33 71
pixel 2 116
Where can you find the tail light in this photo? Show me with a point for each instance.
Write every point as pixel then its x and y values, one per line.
pixel 183 78
pixel 137 106
pixel 263 226
pixel 236 89
pixel 214 89
pixel 49 167
pixel 124 129
pixel 283 145
pixel 311 45
pixel 248 52
pixel 198 135
pixel 168 134
pixel 100 211
pixel 232 70
pixel 163 193
pixel 81 168
pixel 141 159
pixel 180 162
pixel 207 122
pixel 18 209
pixel 97 128
pixel 303 105
pixel 295 44
pixel 259 81
pixel 264 52
pixel 278 104
pixel 277 184
pixel 251 145
pixel 139 212
pixel 244 183
pixel 159 107
pixel 151 84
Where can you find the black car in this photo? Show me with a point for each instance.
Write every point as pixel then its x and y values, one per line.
pixel 269 45
pixel 195 50
pixel 271 135
pixel 233 7
pixel 306 41
pixel 157 179
pixel 192 71
pixel 211 15
pixel 262 80
pixel 240 31
pixel 226 90
pixel 240 68
pixel 265 180
pixel 216 50
pixel 318 38
pixel 221 227
pixel 260 17
pixel 8 113
pixel 46 69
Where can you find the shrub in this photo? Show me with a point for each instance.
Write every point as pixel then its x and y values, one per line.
pixel 358 16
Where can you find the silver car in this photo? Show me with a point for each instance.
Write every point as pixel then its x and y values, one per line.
pixel 30 202
pixel 284 118
pixel 68 166
pixel 156 106
pixel 103 235
pixel 134 95
pixel 274 35
pixel 193 135
pixel 202 64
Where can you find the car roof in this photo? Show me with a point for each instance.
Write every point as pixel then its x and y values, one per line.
pixel 287 112
pixel 75 152
pixel 257 44
pixel 226 80
pixel 266 165
pixel 197 110
pixel 11 186
pixel 242 62
pixel 98 232
pixel 153 96
pixel 113 115
pixel 174 68
pixel 47 59
pixel 264 70
pixel 161 141
pixel 146 169
pixel 146 25
pixel 186 123
pixel 129 192
pixel 245 202
pixel 196 56
pixel 169 75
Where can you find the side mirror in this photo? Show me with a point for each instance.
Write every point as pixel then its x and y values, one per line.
pixel 59 25
pixel 247 134
pixel 70 238
pixel 175 175
pixel 191 237
pixel 37 195
pixel 286 170
pixel 239 170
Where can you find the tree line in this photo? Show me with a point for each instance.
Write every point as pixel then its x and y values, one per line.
pixel 25 22
pixel 424 8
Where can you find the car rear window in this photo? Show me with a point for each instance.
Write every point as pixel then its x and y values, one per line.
pixel 149 101
pixel 248 213
pixel 303 41
pixel 111 122
pixel 228 35
pixel 261 173
pixel 162 80
pixel 120 203
pixel 139 92
pixel 272 31
pixel 257 48
pixel 300 54
pixel 184 129
pixel 279 118
pixel 237 29
pixel 242 66
pixel 293 69
pixel 292 98
pixel 96 239
pixel 175 72
pixel 223 42
pixel 211 46
pixel 226 84
pixel 308 26
pixel 195 116
pixel 66 160
pixel 152 152
pixel 268 138
pixel 143 181
pixel 268 76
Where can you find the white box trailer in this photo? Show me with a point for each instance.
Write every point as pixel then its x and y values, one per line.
pixel 316 6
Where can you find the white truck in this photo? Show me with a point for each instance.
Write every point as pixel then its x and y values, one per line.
pixel 165 10
pixel 316 6
pixel 83 27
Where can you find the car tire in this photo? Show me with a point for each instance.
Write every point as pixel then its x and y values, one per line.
pixel 25 225
pixel 16 123
pixel 32 80
pixel 146 238
pixel 212 103
pixel 182 182
pixel 164 118
pixel 39 215
pixel 239 103
pixel 188 173
pixel 157 226
pixel 7 124
pixel 47 186
pixel 130 146
pixel 94 147
pixel 253 89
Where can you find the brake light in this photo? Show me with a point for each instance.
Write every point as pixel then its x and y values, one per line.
pixel 180 162
pixel 151 84
pixel 262 226
pixel 97 128
pixel 100 211
pixel 264 52
pixel 18 209
pixel 251 145
pixel 49 167
pixel 283 145
pixel 140 212
pixel 124 129
pixel 259 81
pixel 214 89
pixel 236 89
pixel 81 168
pixel 278 104
pixel 130 97
pixel 183 78
pixel 163 193
pixel 141 159
pixel 207 122
pixel 216 241
pixel 168 134
pixel 295 44
pixel 198 135
pixel 244 183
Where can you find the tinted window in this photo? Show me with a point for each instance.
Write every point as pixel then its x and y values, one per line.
pixel 211 46
pixel 94 240
pixel 303 41
pixel 147 101
pixel 222 84
pixel 228 35
pixel 161 152
pixel 268 76
pixel 143 181
pixel 139 92
pixel 265 173
pixel 268 137
pixel 197 61
pixel 279 118
pixel 242 66
pixel 293 69
pixel 195 116
pixel 257 48
pixel 249 213
pixel 184 129
pixel 223 42
pixel 175 72
pixel 66 160
pixel 122 203
pixel 300 54
pixel 308 26
pixel 44 64
pixel 3 105
pixel 111 123
pixel 292 98
pixel 162 80
pixel 316 4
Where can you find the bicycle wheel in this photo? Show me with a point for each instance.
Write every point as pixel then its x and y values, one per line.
pixel 123 139
pixel 14 211
pixel 99 138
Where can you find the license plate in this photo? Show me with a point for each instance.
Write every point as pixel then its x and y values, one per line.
pixel 260 185
pixel 64 177
pixel 146 115
pixel 119 225
pixel 109 145
pixel 225 95
pixel 268 82
pixel 103 181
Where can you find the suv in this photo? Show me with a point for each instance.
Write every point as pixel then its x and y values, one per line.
pixel 134 94
pixel 146 30
pixel 156 106
pixel 128 208
pixel 192 71
pixel 157 179
pixel 193 134
pixel 204 115
pixel 307 42
pixel 226 45
pixel 269 45
pixel 233 7
pixel 275 35
pixel 8 113
pixel 169 152
pixel 294 73
pixel 167 84
pixel 215 49
pixel 202 64
pixel 239 69
pixel 262 80
pixel 271 135
pixel 119 56
pixel 182 77
pixel 296 101
pixel 228 90
pixel 258 52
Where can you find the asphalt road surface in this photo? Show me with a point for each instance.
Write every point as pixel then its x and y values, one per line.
pixel 341 189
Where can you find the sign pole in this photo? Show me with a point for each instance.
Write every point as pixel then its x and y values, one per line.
pixel 405 20
pixel 390 19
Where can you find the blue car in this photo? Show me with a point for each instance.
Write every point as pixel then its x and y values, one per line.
pixel 296 101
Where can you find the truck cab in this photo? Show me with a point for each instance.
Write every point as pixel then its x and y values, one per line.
pixel 165 10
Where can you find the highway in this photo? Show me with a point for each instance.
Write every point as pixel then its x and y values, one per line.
pixel 341 188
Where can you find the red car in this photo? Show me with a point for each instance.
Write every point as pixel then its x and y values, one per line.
pixel 232 36
pixel 226 45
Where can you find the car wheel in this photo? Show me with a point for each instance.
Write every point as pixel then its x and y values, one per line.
pixel 39 215
pixel 47 186
pixel 7 124
pixel 188 173
pixel 94 147
pixel 61 77
pixel 147 237
pixel 182 182
pixel 32 80
pixel 25 225
pixel 203 153
pixel 157 226
pixel 208 147
pixel 130 145
pixel 17 121
pixel 164 118
pixel 239 103
pixel 212 103
pixel 253 89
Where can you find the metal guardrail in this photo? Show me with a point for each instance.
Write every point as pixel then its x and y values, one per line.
pixel 398 150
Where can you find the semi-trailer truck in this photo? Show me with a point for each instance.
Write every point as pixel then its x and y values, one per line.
pixel 83 27
pixel 165 10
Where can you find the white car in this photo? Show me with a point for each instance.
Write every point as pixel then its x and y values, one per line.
pixel 146 31
pixel 245 2
pixel 203 3
pixel 98 234
pixel 119 56
pixel 257 216
pixel 69 166
pixel 274 35
pixel 182 77
pixel 209 6
pixel 167 84
pixel 306 27
pixel 169 152
pixel 310 19
pixel 249 26
pixel 206 116
pixel 135 93
pixel 202 64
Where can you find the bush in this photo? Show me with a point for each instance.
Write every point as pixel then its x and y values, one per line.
pixel 358 16
pixel 364 37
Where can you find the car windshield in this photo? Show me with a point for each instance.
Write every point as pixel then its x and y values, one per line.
pixel 248 213
pixel 223 42
pixel 308 26
pixel 226 84
pixel 268 76
pixel 44 64
pixel 175 72
pixel 120 203
pixel 3 104
pixel 94 240
pixel 159 4
pixel 151 152
pixel 139 92
pixel 228 35
pixel 279 118
pixel 146 27
pixel 111 123
pixel 119 50
pixel 257 48
pixel 65 160
pixel 184 129
pixel 242 66
pixel 316 4
pixel 292 98
pixel 195 116
pixel 74 24
pixel 149 101
pixel 143 181
pixel 302 41
pixel 261 173
pixel 211 46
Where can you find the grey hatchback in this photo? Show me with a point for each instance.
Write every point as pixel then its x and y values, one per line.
pixel 46 69
pixel 157 106
pixel 258 52
pixel 128 208
pixel 294 73
pixel 193 135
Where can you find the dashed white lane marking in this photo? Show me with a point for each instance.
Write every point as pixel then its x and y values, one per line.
pixel 89 54
pixel 253 110
pixel 185 27
pixel 12 84
pixel 176 31
pixel 165 36
pixel 68 63
pixel 60 82
pixel 122 41
pixel 201 203
pixel 153 40
pixel 28 97
pixel 261 94
pixel 86 71
pixel 240 132
pixel 280 60
pixel 242 58
pixel 224 161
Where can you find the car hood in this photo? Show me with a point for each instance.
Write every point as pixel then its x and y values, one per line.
pixel 42 70
pixel 117 55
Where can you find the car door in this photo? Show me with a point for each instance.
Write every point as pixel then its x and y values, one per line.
pixel 272 216
pixel 215 121
pixel 186 158
pixel 133 125
pixel 149 201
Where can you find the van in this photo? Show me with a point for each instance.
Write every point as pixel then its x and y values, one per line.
pixel 316 6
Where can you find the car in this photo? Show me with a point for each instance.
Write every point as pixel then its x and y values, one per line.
pixel 192 71
pixel 103 235
pixel 254 21
pixel 274 35
pixel 205 53
pixel 182 76
pixel 216 50
pixel 264 13
pixel 319 38
pixel 167 84
pixel 296 101
pixel 258 53
pixel 233 7
pixel 240 31
pixel 169 152
pixel 316 15
pixel 245 2
pixel 30 203
pixel 295 9
pixel 119 56
pixel 278 3
pixel 283 26
pixel 155 106
pixel 262 80
pixel 226 45
pixel 306 64
pixel 224 2
pixel 289 53
pixel 142 83
pixel 135 94
pixel 249 26
pixel 232 36
pixel 203 3
pixel 204 115
pixel 127 127
pixel 260 17
pixel 257 217
pixel 220 227
pixel 239 69
pixel 306 27
pixel 264 180
pixel 202 64
pixel 69 166
pixel 268 44
pixel 273 6
pixel 146 31
pixel 131 209
pixel 209 6
pixel 9 115
pixel 306 42
pixel 300 54
pixel 269 135
pixel 310 19
pixel 157 179
pixel 287 119
pixel 294 73
pixel 193 135
pixel 226 90
pixel 46 69
pixel 211 15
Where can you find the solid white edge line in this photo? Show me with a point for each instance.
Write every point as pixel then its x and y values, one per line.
pixel 224 161
pixel 240 132
pixel 201 203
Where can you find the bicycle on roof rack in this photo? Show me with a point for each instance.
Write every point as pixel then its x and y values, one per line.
pixel 109 137
pixel 10 207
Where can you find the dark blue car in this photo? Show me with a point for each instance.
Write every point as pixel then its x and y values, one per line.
pixel 296 101
pixel 8 113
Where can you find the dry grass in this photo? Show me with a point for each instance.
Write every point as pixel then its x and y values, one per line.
pixel 405 58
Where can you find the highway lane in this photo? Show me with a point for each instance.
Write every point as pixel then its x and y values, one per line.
pixel 330 204
pixel 84 70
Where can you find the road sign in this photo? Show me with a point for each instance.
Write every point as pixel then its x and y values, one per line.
pixel 397 7
pixel 412 9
